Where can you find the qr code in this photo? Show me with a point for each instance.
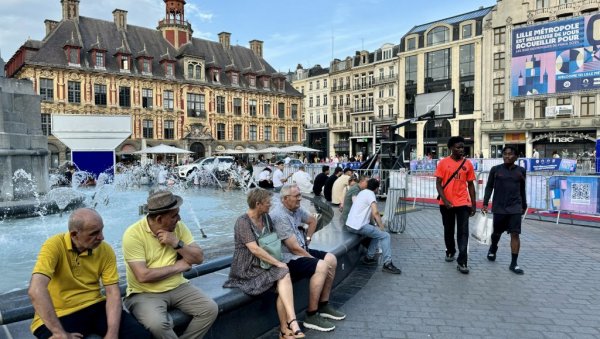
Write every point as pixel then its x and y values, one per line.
pixel 580 193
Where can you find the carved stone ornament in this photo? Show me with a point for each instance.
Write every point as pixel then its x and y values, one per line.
pixel 198 131
pixel 509 20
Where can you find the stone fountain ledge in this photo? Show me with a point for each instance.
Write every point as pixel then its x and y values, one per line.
pixel 32 207
pixel 234 306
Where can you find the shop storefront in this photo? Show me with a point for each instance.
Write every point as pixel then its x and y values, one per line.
pixel 498 141
pixel 570 145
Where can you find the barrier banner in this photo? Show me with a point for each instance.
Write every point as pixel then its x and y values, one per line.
pixel 548 164
pixel 576 194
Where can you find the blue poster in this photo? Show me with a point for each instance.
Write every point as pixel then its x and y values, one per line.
pixel 548 164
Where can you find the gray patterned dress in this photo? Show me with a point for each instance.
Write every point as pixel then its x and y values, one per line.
pixel 245 273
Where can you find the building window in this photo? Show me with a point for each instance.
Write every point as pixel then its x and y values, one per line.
pixel 499 112
pixel 499 86
pixel 381 90
pixel 391 90
pixel 310 86
pixel 234 78
pixel 169 70
pixel 295 110
pixel 267 109
pixel 252 133
pixel 73 56
pixel 266 83
pixel 411 44
pixel 252 107
pixel 74 92
pixel 220 131
pixel 411 70
pixel 467 97
pixel 146 66
pixel 281 134
pixel 310 102
pixel 237 106
pixel 148 129
pixel 195 105
pixel 437 71
pixel 499 61
pixel 237 132
pixel 318 84
pixel 281 110
pixel 539 109
pixel 252 81
pixel 467 31
pixel 563 101
pixel 100 94
pixel 324 99
pixel 390 110
pixel 438 35
pixel 221 105
pixel 541 4
pixel 124 97
pixel 588 105
pixel 499 36
pixel 267 133
pixel 467 60
pixel 324 83
pixel 466 128
pixel 124 63
pixel 194 71
pixel 169 129
pixel 147 98
pixel 46 124
pixel 168 100
pixel 99 60
pixel 519 110
pixel 47 89
pixel 318 100
pixel 295 134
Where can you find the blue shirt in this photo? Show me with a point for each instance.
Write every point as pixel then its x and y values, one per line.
pixel 286 223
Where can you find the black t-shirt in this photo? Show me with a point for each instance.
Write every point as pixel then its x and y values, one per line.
pixel 508 185
pixel 328 186
pixel 320 180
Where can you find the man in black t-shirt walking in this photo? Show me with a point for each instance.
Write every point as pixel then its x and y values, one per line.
pixel 320 180
pixel 507 181
pixel 329 183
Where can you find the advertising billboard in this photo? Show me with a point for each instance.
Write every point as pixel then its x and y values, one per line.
pixel 556 57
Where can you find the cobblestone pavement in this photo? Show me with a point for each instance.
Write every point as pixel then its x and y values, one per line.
pixel 557 297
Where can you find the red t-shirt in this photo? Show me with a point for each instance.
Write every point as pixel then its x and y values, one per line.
pixel 457 191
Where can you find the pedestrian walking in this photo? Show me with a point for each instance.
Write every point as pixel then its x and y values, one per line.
pixel 507 181
pixel 454 183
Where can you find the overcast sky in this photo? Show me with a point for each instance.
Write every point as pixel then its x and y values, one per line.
pixel 308 32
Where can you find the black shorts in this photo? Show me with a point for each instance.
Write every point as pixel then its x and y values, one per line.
pixel 509 223
pixel 305 267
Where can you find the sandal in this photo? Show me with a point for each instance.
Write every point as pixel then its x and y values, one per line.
pixel 298 333
pixel 284 335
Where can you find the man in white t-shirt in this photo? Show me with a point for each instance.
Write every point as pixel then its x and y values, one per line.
pixel 359 222
pixel 278 177
pixel 303 180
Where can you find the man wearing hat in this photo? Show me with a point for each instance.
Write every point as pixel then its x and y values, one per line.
pixel 158 249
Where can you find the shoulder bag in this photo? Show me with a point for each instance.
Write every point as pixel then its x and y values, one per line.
pixel 269 242
pixel 451 177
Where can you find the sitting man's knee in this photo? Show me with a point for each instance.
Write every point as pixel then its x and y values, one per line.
pixel 212 310
pixel 331 260
pixel 322 267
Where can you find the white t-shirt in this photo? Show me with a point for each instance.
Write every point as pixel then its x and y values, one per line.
pixel 277 176
pixel 302 179
pixel 338 191
pixel 360 213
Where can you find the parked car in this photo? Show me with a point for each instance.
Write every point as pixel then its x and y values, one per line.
pixel 295 162
pixel 185 170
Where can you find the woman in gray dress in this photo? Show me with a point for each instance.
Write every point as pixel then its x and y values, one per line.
pixel 247 275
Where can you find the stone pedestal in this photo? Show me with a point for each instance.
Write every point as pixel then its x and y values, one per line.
pixel 22 143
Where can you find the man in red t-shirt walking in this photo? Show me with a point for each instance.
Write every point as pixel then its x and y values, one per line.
pixel 454 183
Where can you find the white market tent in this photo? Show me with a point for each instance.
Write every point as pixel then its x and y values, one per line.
pixel 163 149
pixel 298 148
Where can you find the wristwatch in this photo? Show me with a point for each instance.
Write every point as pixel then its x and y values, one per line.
pixel 307 238
pixel 180 244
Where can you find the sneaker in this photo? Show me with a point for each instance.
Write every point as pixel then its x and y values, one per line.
pixel 449 257
pixel 390 268
pixel 491 256
pixel 462 268
pixel 516 269
pixel 369 261
pixel 329 312
pixel 317 322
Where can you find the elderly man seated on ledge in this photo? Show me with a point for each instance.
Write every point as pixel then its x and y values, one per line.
pixel 247 275
pixel 65 285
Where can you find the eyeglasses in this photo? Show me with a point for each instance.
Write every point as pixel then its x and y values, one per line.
pixel 294 195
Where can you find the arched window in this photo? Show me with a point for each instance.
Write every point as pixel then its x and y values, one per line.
pixel 198 72
pixel 190 70
pixel 438 35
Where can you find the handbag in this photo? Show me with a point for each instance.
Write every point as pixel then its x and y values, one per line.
pixel 269 242
pixel 451 177
pixel 484 226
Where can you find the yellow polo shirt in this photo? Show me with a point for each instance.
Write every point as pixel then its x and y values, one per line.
pixel 140 244
pixel 74 277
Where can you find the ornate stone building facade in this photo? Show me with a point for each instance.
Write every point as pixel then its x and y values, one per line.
pixel 527 101
pixel 187 92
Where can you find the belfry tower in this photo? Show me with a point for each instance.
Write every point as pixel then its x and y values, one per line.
pixel 174 28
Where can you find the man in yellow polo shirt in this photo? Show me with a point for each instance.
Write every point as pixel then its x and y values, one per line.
pixel 65 285
pixel 158 249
